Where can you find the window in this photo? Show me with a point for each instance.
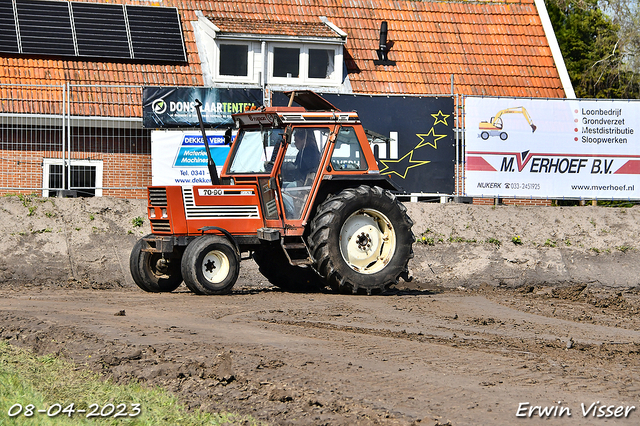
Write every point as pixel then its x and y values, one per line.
pixel 234 60
pixel 299 168
pixel 253 152
pixel 308 64
pixel 286 62
pixel 86 177
pixel 321 63
pixel 347 154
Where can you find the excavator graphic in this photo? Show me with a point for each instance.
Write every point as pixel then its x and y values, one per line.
pixel 494 127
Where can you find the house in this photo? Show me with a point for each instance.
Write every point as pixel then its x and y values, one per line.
pixel 71 73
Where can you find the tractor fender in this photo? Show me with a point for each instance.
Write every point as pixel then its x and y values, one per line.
pixel 226 234
pixel 353 181
pixel 333 184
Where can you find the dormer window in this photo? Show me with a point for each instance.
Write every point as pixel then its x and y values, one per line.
pixel 321 63
pixel 286 62
pixel 234 60
pixel 258 52
pixel 306 64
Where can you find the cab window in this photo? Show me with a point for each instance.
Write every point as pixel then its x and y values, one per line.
pixel 347 154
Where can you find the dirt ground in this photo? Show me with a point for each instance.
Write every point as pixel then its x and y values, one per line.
pixel 487 330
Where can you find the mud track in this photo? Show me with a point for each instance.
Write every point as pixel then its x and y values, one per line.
pixel 408 357
pixel 486 328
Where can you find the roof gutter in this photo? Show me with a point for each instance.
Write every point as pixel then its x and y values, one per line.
pixel 555 49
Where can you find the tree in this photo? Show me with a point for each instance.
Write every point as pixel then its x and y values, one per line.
pixel 597 58
pixel 626 15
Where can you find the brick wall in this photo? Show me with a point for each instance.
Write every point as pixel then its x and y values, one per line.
pixel 513 201
pixel 125 156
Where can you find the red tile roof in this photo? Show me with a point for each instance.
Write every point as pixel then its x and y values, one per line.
pixel 231 25
pixel 491 48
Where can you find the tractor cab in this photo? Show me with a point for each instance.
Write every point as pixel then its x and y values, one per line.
pixel 287 152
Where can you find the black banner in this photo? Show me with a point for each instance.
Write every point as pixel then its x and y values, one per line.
pixel 164 107
pixel 420 155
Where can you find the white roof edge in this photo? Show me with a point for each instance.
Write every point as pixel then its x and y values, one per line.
pixel 206 22
pixel 334 27
pixel 555 49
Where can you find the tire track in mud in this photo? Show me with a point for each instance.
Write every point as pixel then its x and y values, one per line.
pixel 333 359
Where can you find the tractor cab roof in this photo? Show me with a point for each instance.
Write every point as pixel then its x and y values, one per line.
pixel 314 109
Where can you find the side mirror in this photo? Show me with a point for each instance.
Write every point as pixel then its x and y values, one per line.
pixel 272 184
pixel 227 137
pixel 287 134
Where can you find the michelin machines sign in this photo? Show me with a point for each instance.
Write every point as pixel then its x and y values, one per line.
pixel 558 148
pixel 178 157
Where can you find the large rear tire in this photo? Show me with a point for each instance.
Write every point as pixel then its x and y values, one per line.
pixel 151 272
pixel 275 267
pixel 361 240
pixel 210 265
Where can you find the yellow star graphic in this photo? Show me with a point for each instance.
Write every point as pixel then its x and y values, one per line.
pixel 422 137
pixel 440 118
pixel 408 164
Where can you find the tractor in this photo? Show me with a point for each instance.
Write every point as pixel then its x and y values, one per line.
pixel 300 192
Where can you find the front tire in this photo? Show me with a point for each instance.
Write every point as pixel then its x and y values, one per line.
pixel 210 265
pixel 361 240
pixel 151 272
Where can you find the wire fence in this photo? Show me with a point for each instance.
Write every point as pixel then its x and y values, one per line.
pixel 84 140
pixel 88 140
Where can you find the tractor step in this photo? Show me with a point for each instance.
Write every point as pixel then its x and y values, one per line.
pixel 297 252
pixel 295 246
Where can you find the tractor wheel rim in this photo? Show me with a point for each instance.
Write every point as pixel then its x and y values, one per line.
pixel 215 266
pixel 367 241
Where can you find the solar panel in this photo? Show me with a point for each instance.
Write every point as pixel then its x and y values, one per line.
pixel 156 33
pixel 98 30
pixel 8 34
pixel 101 30
pixel 45 27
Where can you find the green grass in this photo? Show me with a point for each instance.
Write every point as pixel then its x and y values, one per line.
pixel 493 241
pixel 46 381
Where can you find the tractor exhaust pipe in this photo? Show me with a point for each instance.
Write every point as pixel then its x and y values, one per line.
pixel 211 165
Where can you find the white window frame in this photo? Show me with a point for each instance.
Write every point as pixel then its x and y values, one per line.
pixel 48 162
pixel 334 80
pixel 251 76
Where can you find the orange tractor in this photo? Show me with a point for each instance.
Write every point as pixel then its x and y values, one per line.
pixel 300 192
